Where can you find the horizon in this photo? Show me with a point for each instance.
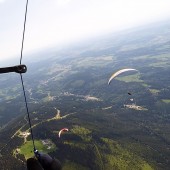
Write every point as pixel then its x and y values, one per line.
pixel 58 23
pixel 55 48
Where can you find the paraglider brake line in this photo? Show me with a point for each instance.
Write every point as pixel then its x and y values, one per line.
pixel 26 105
pixel 22 82
pixel 23 34
pixel 21 68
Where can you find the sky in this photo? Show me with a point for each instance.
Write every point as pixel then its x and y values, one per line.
pixel 58 22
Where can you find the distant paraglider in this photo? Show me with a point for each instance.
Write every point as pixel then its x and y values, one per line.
pixel 62 130
pixel 119 72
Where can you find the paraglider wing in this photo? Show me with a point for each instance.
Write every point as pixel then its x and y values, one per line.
pixel 129 93
pixel 62 130
pixel 119 72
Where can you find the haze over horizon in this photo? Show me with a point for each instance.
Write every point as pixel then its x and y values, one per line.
pixel 58 22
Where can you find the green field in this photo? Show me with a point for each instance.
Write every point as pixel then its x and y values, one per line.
pixel 27 148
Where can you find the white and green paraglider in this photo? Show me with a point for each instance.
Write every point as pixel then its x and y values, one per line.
pixel 119 72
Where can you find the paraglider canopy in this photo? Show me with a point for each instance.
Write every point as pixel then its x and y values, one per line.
pixel 119 72
pixel 62 130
